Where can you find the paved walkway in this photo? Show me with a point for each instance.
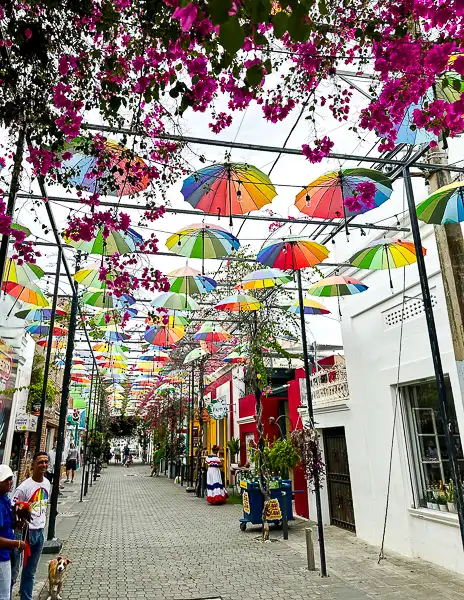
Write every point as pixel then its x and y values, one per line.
pixel 141 538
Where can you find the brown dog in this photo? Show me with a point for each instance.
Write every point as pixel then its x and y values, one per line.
pixel 56 570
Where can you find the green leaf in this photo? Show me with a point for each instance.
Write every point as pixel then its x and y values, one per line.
pixel 323 8
pixel 254 75
pixel 219 10
pixel 260 39
pixel 259 11
pixel 268 66
pixel 280 22
pixel 231 35
pixel 297 27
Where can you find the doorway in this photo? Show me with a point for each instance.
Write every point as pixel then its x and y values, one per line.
pixel 338 479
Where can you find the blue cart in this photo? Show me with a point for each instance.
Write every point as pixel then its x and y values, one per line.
pixel 253 502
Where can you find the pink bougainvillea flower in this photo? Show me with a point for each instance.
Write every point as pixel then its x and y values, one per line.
pixel 186 16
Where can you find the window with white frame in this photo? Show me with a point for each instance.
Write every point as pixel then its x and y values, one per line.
pixel 431 465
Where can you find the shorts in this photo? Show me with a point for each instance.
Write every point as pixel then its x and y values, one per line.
pixel 71 464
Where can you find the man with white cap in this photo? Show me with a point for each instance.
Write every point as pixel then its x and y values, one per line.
pixel 7 541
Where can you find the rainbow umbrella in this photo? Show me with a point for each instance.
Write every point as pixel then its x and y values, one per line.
pixel 21 274
pixel 209 346
pixel 195 355
pixel 311 307
pixel 109 348
pixel 116 336
pixel 228 189
pixel 154 357
pixel 175 302
pixel 116 243
pixel 445 205
pixel 43 329
pixel 212 332
pixel 239 303
pixel 56 344
pixel 123 172
pixel 176 319
pixel 407 132
pixel 115 316
pixel 190 281
pixel 325 196
pixel 263 278
pixel 103 299
pixel 164 336
pixel 114 388
pixel 237 356
pixel 293 253
pixel 386 254
pixel 30 294
pixel 38 314
pixel 114 377
pixel 337 285
pixel 90 278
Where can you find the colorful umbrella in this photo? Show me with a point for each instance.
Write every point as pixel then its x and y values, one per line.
pixel 311 307
pixel 237 356
pixel 325 197
pixel 154 357
pixel 228 189
pixel 23 273
pixel 386 254
pixel 103 299
pixel 238 303
pixel 337 285
pixel 175 302
pixel 407 132
pixel 445 205
pixel 115 243
pixel 164 336
pixel 212 332
pixel 109 348
pixel 116 336
pixel 43 329
pixel 29 295
pixel 202 240
pixel 56 344
pixel 123 173
pixel 195 355
pixel 209 346
pixel 38 314
pixel 263 278
pixel 115 316
pixel 190 281
pixel 293 253
pixel 167 320
pixel 90 277
pixel 114 388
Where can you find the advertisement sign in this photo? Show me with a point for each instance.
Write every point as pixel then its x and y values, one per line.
pixel 8 370
pixel 26 423
pixel 82 419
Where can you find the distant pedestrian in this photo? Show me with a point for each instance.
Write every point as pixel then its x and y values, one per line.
pixel 216 492
pixel 125 453
pixel 51 464
pixel 71 462
pixel 35 491
pixel 117 455
pixel 7 541
pixel 157 456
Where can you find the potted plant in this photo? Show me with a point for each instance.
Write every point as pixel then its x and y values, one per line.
pixel 429 498
pixel 450 495
pixel 234 448
pixel 441 501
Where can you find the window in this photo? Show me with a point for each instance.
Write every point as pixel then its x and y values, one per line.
pixel 427 439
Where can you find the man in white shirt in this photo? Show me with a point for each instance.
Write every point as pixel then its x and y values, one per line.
pixel 35 491
pixel 51 464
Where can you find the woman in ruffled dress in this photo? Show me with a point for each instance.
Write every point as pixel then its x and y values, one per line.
pixel 216 492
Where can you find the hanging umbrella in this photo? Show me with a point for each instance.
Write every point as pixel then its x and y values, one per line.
pixel 116 336
pixel 238 303
pixel 263 278
pixel 325 197
pixel 407 132
pixel 90 277
pixel 102 299
pixel 154 357
pixel 19 227
pixel 337 285
pixel 123 172
pixel 43 329
pixel 209 347
pixel 195 355
pixel 311 307
pixel 23 273
pixel 59 363
pixel 190 281
pixel 450 84
pixel 38 314
pixel 175 302
pixel 114 388
pixel 237 356
pixel 29 295
pixel 292 253
pixel 115 243
pixel 108 348
pixel 176 319
pixel 445 205
pixel 115 316
pixel 114 377
pixel 228 189
pixel 56 344
pixel 212 332
pixel 164 336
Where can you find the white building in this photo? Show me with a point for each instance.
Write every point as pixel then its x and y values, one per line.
pixel 371 326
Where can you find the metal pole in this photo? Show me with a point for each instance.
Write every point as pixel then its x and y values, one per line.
pixel 310 550
pixel 84 455
pixel 448 427
pixel 317 489
pixel 48 354
pixel 63 409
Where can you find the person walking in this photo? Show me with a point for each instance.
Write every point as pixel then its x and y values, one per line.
pixel 7 541
pixel 51 464
pixel 157 456
pixel 216 492
pixel 125 452
pixel 71 462
pixel 35 491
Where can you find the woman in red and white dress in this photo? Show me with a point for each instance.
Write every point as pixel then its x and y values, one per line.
pixel 216 492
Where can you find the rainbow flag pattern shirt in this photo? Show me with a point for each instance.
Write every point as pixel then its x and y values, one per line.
pixel 37 494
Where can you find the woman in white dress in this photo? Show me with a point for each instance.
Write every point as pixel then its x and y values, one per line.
pixel 216 492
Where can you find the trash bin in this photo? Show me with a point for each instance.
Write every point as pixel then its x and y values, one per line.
pixel 253 502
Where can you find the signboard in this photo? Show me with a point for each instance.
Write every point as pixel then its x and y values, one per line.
pixel 26 422
pixel 82 419
pixel 218 409
pixel 8 369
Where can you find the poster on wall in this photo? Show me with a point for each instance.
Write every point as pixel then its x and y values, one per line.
pixel 8 370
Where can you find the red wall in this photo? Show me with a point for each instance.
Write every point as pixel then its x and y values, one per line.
pixel 246 408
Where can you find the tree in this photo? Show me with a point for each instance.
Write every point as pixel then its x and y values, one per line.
pixel 36 385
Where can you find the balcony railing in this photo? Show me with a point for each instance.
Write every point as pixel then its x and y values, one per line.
pixel 329 387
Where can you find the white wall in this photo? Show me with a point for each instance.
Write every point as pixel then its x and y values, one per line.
pixel 371 353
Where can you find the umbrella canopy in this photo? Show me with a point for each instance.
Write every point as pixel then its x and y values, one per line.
pixel 195 355
pixel 112 316
pixel 325 197
pixel 385 254
pixel 177 318
pixel 237 356
pixel 263 278
pixel 43 329
pixel 38 314
pixel 209 347
pixel 293 253
pixel 107 347
pixel 90 277
pixel 114 388
pixel 212 332
pixel 228 189
pixel 445 205
pixel 164 336
pixel 103 299
pixel 337 285
pixel 30 295
pixel 190 281
pixel 311 307
pixel 116 336
pixel 202 240
pixel 21 273
pixel 116 243
pixel 56 344
pixel 123 173
pixel 407 132
pixel 238 303
pixel 151 356
pixel 175 302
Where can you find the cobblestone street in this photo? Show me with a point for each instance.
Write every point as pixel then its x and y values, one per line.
pixel 139 538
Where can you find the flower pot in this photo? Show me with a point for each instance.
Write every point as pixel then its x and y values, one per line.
pixel 435 506
pixel 443 507
pixel 451 507
pixel 429 505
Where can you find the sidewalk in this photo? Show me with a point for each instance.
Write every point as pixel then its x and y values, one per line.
pixel 136 537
